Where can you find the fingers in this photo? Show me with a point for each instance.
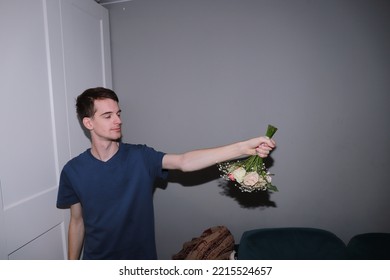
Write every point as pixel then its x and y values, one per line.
pixel 269 141
pixel 263 151
pixel 265 147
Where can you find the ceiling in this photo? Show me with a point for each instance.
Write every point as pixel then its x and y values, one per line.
pixel 106 2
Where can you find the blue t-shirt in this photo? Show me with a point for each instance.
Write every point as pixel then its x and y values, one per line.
pixel 117 201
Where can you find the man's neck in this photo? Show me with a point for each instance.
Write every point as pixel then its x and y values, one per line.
pixel 104 151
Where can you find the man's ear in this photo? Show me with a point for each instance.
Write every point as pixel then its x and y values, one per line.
pixel 87 123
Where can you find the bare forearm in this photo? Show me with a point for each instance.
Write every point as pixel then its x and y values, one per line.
pixel 75 240
pixel 198 159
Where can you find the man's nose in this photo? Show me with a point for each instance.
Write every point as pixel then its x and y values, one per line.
pixel 118 119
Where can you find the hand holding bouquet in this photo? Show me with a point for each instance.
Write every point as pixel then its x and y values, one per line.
pixel 250 174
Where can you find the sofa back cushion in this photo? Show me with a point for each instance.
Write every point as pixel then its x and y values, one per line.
pixel 291 244
pixel 369 246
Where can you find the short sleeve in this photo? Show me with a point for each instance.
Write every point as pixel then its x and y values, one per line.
pixel 66 194
pixel 155 159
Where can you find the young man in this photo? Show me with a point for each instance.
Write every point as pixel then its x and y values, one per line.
pixel 109 187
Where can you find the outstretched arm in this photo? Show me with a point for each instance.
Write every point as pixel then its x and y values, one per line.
pixel 198 159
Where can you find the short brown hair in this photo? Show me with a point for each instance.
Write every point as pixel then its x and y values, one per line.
pixel 85 101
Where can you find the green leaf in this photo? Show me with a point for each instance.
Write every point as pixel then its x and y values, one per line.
pixel 271 131
pixel 272 188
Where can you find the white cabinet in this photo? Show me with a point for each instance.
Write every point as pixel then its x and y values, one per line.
pixel 50 52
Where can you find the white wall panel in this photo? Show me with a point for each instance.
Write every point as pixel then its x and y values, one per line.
pixel 47 246
pixel 41 66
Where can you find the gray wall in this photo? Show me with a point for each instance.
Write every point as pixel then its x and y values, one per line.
pixel 201 73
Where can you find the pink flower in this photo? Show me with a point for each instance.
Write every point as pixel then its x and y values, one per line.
pixel 231 177
pixel 251 179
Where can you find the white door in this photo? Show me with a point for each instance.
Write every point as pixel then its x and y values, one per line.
pixel 49 52
pixel 87 58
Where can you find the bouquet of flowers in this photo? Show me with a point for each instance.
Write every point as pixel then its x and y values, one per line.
pixel 249 174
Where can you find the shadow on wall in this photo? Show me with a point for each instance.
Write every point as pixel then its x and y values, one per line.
pixel 246 199
pixel 192 179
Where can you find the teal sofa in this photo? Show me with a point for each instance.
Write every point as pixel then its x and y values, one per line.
pixel 369 246
pixel 302 243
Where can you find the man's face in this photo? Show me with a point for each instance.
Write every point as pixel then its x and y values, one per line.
pixel 105 125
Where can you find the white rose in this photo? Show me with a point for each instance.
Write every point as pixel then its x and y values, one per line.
pixel 268 177
pixel 239 174
pixel 262 183
pixel 251 179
